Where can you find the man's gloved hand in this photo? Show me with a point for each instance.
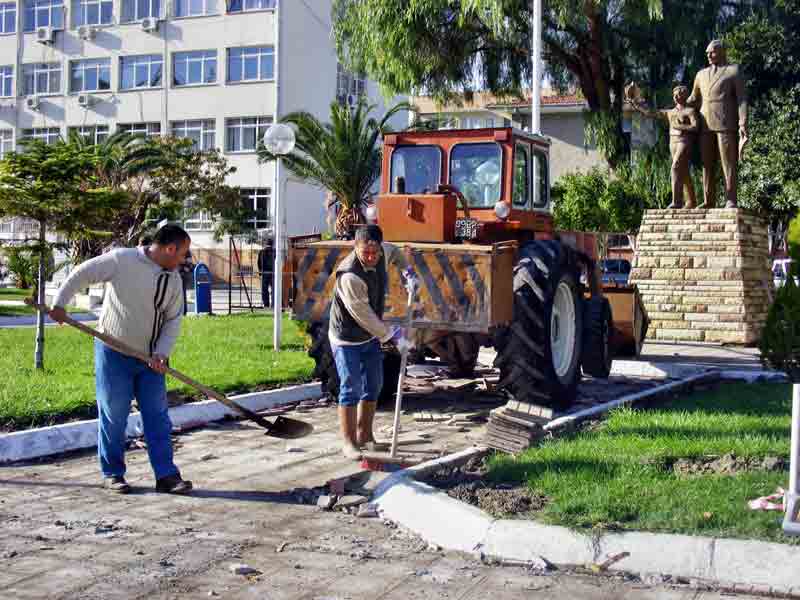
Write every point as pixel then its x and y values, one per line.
pixel 400 339
pixel 411 281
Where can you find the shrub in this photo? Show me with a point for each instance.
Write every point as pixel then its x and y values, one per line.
pixel 780 339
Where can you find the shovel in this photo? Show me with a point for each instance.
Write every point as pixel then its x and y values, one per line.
pixel 282 427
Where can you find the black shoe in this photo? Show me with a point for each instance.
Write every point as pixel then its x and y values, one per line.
pixel 116 484
pixel 173 484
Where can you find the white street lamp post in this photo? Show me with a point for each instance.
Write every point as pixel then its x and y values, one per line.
pixel 279 140
pixel 536 87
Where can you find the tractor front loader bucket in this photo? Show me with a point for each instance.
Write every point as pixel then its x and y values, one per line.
pixel 463 287
pixel 630 319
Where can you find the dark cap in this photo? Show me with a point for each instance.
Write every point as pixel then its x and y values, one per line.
pixel 369 233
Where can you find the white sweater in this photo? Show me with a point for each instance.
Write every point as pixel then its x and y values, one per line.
pixel 143 302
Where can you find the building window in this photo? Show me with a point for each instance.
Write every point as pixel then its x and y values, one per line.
pixel 349 87
pixel 195 8
pixel 7 81
pixel 92 12
pixel 6 141
pixel 243 135
pixel 202 133
pixel 41 78
pixel 94 134
pixel 248 5
pixel 91 75
pixel 136 10
pixel 257 200
pixel 8 17
pixel 146 129
pixel 48 135
pixel 42 13
pixel 141 72
pixel 194 68
pixel 196 220
pixel 251 64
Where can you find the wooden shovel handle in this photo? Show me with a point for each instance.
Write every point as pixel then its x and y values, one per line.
pixel 123 348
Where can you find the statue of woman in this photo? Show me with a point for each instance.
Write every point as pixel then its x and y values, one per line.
pixel 684 124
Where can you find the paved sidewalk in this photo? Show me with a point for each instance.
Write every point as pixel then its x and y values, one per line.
pixel 706 355
pixel 62 536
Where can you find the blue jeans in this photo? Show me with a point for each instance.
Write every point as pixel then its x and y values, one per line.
pixel 360 370
pixel 118 378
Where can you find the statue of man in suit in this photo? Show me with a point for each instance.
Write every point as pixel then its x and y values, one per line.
pixel 719 94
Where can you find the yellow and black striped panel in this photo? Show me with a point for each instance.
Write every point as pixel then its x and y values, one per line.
pixel 454 293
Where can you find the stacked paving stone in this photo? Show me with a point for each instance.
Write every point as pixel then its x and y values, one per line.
pixel 704 275
pixel 516 426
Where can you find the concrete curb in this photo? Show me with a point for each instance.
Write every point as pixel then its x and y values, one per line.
pixel 743 566
pixel 46 441
pixel 452 524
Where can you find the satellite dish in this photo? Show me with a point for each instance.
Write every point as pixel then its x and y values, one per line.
pixel 279 139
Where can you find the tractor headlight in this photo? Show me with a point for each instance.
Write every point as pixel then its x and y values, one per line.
pixel 502 210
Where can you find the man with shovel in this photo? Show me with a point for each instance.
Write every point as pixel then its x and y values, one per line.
pixel 143 306
pixel 356 332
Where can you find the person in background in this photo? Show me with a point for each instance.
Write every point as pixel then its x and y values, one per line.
pixel 266 267
pixel 186 270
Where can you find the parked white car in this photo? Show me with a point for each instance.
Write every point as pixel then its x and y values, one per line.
pixel 780 271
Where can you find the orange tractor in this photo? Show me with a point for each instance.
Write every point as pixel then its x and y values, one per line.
pixel 471 209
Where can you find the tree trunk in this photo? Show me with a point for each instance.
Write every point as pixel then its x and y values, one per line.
pixel 39 352
pixel 346 223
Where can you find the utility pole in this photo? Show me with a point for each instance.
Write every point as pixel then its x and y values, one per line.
pixel 536 87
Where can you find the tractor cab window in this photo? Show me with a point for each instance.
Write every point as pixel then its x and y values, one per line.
pixel 522 176
pixel 476 170
pixel 420 166
pixel 541 179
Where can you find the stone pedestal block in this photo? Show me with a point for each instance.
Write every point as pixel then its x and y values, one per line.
pixel 704 275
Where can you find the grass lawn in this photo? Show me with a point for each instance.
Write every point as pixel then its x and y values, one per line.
pixel 618 474
pixel 228 353
pixel 16 294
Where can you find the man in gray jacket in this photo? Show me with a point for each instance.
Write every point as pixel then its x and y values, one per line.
pixel 143 307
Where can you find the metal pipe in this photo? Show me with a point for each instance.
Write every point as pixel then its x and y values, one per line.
pixel 791 519
pixel 794 474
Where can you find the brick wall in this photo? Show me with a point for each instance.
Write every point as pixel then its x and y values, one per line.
pixel 704 275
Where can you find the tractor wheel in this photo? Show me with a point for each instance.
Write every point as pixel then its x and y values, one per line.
pixel 325 366
pixel 391 376
pixel 459 351
pixel 539 353
pixel 596 356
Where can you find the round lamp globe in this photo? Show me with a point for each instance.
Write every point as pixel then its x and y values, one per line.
pixel 279 139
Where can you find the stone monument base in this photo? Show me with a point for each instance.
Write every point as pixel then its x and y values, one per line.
pixel 704 275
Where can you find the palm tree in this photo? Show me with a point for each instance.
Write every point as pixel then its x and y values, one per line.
pixel 342 156
pixel 123 162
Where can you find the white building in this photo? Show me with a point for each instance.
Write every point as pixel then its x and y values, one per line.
pixel 219 71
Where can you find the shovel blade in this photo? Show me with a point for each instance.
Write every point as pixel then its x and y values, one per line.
pixel 289 429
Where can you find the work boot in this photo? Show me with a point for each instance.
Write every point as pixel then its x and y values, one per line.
pixel 173 484
pixel 116 484
pixel 348 426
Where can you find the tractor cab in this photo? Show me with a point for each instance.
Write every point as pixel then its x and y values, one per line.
pixel 476 185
